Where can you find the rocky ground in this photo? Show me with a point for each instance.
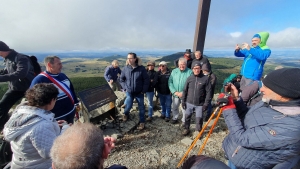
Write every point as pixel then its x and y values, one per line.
pixel 161 144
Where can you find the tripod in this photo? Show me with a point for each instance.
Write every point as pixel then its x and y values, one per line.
pixel 200 133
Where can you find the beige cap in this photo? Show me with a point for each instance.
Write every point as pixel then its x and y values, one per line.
pixel 163 63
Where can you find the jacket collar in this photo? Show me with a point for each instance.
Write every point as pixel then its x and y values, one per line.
pixel 287 108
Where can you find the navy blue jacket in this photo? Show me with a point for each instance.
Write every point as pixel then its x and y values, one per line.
pixel 111 73
pixel 268 136
pixel 135 80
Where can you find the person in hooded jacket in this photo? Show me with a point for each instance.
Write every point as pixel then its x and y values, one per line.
pixel 255 58
pixel 164 93
pixel 196 97
pixel 150 92
pixel 213 81
pixel 32 129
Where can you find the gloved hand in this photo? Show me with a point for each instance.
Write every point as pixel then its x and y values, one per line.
pixel 183 105
pixel 204 108
pixel 225 103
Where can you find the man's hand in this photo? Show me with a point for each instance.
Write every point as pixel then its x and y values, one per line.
pixel 179 94
pixel 246 46
pixel 204 108
pixel 111 81
pixel 233 91
pixel 109 144
pixel 183 105
pixel 237 48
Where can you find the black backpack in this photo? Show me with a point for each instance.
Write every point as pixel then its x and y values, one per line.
pixel 5 152
pixel 35 64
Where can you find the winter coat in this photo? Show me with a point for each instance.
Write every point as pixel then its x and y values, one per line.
pixel 18 71
pixel 177 80
pixel 162 82
pixel 268 136
pixel 255 58
pixel 197 90
pixel 31 132
pixel 111 73
pixel 135 80
pixel 152 76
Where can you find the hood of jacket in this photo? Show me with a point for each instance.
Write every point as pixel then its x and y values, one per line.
pixel 263 38
pixel 23 118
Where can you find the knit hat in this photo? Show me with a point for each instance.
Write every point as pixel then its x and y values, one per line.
pixel 195 64
pixel 150 63
pixel 3 46
pixel 285 82
pixel 205 67
pixel 256 36
pixel 162 63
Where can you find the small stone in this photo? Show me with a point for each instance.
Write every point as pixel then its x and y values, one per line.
pixel 186 141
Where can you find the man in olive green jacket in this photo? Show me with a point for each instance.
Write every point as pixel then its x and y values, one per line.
pixel 176 83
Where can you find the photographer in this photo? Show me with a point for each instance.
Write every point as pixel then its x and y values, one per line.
pixel 254 58
pixel 19 73
pixel 267 134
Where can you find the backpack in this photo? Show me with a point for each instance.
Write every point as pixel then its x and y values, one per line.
pixel 5 152
pixel 34 63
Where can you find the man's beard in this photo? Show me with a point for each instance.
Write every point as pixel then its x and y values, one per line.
pixel 266 100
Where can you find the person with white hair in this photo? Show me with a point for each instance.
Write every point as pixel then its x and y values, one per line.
pixel 111 75
pixel 176 84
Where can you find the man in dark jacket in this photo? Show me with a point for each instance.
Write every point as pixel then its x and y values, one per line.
pixel 164 93
pixel 18 72
pixel 196 96
pixel 201 59
pixel 150 92
pixel 269 134
pixel 135 80
pixel 187 55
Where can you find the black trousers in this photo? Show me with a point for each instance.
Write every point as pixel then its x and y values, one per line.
pixel 7 101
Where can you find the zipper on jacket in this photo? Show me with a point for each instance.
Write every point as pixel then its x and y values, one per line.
pixel 236 151
pixel 245 64
pixel 195 88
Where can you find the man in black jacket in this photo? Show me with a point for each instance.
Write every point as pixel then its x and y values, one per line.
pixel 201 59
pixel 196 97
pixel 18 72
pixel 135 80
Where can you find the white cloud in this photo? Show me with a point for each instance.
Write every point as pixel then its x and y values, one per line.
pixel 235 34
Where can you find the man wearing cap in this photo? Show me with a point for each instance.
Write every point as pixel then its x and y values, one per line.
pixel 18 72
pixel 187 55
pixel 196 96
pixel 267 134
pixel 176 83
pixel 164 93
pixel 150 92
pixel 254 58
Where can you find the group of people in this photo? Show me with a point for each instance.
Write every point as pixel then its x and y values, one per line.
pixel 263 135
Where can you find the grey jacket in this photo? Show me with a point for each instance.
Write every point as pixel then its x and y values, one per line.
pixel 31 132
pixel 268 136
pixel 18 71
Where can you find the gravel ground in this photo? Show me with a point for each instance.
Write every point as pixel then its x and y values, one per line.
pixel 161 145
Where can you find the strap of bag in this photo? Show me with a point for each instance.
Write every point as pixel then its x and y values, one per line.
pixel 63 89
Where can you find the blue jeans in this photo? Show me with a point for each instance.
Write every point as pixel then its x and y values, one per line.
pixel 129 101
pixel 150 96
pixel 231 165
pixel 165 102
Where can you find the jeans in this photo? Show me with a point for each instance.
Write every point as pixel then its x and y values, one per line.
pixel 231 165
pixel 175 109
pixel 188 113
pixel 7 101
pixel 129 101
pixel 165 102
pixel 150 96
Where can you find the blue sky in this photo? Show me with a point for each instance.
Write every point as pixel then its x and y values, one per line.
pixel 55 25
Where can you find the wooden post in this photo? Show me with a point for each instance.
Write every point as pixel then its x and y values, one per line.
pixel 201 25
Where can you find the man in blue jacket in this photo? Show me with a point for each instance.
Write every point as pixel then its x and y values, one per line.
pixel 267 135
pixel 254 58
pixel 111 75
pixel 135 80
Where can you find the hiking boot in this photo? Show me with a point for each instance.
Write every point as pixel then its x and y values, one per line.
pixel 149 119
pixel 162 116
pixel 167 119
pixel 125 117
pixel 174 121
pixel 141 126
pixel 185 132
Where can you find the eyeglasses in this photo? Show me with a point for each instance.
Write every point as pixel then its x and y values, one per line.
pixel 161 65
pixel 150 65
